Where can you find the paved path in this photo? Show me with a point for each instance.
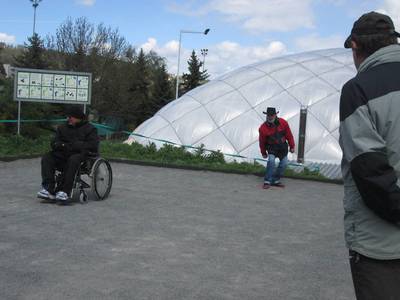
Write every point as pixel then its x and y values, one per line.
pixel 173 234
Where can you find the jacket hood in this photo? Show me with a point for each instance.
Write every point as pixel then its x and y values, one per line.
pixel 384 55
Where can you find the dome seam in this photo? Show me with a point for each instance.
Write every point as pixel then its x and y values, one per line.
pixel 170 124
pixel 212 119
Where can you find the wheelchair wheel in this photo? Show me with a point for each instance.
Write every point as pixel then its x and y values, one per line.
pixel 101 178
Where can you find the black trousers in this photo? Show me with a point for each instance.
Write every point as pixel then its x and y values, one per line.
pixel 67 165
pixel 375 279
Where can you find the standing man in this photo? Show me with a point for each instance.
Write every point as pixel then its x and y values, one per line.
pixel 274 135
pixel 370 140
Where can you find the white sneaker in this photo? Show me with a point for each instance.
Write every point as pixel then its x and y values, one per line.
pixel 44 194
pixel 61 196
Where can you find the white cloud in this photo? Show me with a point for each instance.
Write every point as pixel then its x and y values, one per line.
pixel 168 49
pixel 221 58
pixel 392 8
pixel 85 2
pixel 266 15
pixel 227 56
pixel 171 47
pixel 6 38
pixel 189 8
pixel 149 45
pixel 258 15
pixel 334 2
pixel 314 42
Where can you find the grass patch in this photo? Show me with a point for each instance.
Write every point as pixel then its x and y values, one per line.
pixel 308 174
pixel 168 155
pixel 179 156
pixel 15 146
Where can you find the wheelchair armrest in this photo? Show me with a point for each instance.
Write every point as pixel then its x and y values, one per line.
pixel 93 154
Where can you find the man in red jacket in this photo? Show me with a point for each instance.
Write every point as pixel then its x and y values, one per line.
pixel 274 136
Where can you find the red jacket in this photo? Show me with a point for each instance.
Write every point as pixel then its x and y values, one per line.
pixel 273 137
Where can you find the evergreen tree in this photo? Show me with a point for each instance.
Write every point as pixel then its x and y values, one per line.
pixel 34 54
pixel 2 71
pixel 195 77
pixel 8 107
pixel 162 89
pixel 141 107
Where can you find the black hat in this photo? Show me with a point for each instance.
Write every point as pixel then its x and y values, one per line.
pixel 372 23
pixel 270 111
pixel 76 112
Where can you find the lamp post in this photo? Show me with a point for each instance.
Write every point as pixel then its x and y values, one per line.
pixel 205 32
pixel 35 4
pixel 204 52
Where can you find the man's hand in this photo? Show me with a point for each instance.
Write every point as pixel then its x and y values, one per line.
pixel 265 155
pixel 291 150
pixel 61 146
pixel 57 145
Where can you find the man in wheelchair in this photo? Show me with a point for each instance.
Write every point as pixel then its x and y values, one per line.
pixel 71 145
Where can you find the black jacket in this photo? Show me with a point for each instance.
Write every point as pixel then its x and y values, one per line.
pixel 70 140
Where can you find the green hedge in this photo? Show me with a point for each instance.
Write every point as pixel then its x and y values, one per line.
pixel 14 146
pixel 177 156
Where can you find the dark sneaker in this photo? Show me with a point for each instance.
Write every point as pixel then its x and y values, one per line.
pixel 266 186
pixel 279 184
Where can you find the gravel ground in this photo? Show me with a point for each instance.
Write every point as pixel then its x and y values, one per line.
pixel 173 234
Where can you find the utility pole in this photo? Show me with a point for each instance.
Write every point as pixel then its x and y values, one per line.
pixel 204 52
pixel 35 4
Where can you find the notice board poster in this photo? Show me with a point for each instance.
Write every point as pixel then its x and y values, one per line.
pixel 52 86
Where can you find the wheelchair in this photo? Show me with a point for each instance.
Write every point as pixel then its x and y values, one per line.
pixel 94 173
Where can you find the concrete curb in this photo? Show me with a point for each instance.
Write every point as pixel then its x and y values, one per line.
pixel 13 158
pixel 174 166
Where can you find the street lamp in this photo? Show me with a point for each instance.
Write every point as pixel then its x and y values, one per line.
pixel 204 52
pixel 179 54
pixel 35 4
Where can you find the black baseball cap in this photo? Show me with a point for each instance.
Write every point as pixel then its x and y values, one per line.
pixel 371 23
pixel 270 111
pixel 76 112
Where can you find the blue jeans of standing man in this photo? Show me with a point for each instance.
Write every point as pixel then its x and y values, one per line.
pixel 271 175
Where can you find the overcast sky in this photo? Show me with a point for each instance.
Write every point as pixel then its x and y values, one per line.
pixel 242 31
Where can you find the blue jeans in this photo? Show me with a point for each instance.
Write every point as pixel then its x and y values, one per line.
pixel 272 175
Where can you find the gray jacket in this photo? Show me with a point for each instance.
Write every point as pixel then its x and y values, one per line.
pixel 370 140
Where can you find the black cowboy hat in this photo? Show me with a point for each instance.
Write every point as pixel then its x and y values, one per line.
pixel 270 111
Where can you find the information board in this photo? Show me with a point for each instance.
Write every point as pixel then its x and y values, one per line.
pixel 52 86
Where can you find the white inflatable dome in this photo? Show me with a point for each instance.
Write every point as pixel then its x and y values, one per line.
pixel 225 114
